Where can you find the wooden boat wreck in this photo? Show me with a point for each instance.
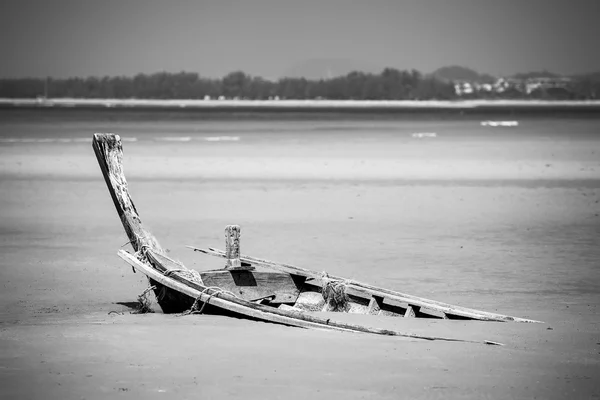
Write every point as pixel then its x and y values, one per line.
pixel 259 289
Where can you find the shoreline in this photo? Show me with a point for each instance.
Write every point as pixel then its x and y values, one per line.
pixel 305 105
pixel 530 183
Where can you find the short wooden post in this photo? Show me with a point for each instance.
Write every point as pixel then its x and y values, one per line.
pixel 232 247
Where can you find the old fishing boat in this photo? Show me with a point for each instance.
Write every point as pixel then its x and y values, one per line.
pixel 255 288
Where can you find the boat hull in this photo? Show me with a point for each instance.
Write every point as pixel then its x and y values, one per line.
pixel 255 288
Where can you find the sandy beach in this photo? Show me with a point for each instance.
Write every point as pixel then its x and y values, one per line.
pixel 503 223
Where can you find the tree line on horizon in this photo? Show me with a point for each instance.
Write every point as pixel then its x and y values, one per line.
pixel 390 84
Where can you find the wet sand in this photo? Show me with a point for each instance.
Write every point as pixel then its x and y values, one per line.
pixel 490 237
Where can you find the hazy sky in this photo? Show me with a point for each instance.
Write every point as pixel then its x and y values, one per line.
pixel 62 38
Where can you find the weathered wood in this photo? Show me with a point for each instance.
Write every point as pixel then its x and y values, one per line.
pixel 411 312
pixel 262 312
pixel 375 305
pixel 287 307
pixel 371 290
pixel 109 153
pixel 232 247
pixel 253 285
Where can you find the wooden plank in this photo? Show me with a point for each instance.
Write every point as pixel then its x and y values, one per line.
pixel 389 313
pixel 252 285
pixel 163 263
pixel 287 307
pixel 373 290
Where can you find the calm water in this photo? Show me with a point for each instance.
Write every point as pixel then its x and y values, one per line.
pixel 48 126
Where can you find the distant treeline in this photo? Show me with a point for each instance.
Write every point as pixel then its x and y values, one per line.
pixel 390 84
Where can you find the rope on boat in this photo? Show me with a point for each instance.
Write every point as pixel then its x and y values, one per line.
pixel 215 292
pixel 186 273
pixel 161 295
pixel 141 253
pixel 144 302
pixel 137 239
pixel 334 294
